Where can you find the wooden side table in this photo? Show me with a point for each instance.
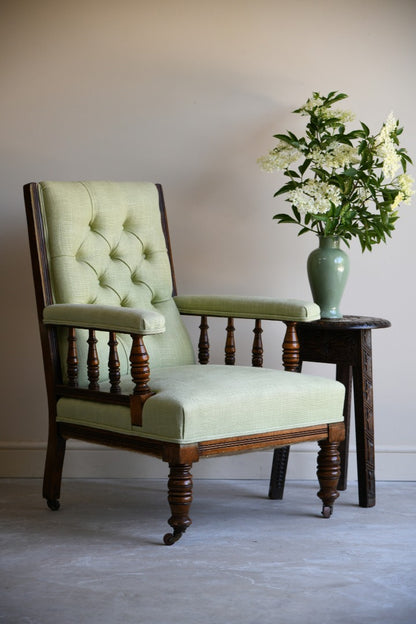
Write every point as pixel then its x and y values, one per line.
pixel 345 342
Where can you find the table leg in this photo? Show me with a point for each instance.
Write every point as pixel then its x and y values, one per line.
pixel 344 375
pixel 364 422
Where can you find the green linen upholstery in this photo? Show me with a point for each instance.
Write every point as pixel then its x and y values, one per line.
pixel 111 318
pixel 265 308
pixel 106 247
pixel 197 403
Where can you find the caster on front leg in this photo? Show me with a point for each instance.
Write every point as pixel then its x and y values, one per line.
pixel 171 538
pixel 327 511
pixel 53 505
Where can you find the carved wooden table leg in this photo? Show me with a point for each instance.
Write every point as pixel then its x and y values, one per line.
pixel 364 422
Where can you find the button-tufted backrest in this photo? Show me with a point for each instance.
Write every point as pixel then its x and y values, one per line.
pixel 106 245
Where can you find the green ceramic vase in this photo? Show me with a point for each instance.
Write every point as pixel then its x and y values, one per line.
pixel 328 268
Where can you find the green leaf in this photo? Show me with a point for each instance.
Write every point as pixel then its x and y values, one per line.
pixel 357 134
pixel 293 137
pixel 291 173
pixel 365 128
pixel 351 172
pixel 332 98
pixel 284 138
pixel 302 168
pixel 296 213
pixel 284 218
pixel 286 188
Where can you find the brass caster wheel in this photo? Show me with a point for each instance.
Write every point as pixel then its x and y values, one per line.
pixel 171 538
pixel 53 504
pixel 327 511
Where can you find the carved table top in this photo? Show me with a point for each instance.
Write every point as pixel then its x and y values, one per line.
pixel 349 322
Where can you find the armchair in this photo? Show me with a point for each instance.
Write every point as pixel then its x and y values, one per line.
pixel 120 369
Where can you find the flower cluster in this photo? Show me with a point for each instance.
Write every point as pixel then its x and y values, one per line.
pixel 280 157
pixel 315 197
pixel 386 149
pixel 344 184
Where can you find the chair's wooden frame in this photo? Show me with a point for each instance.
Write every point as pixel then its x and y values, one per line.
pixel 180 457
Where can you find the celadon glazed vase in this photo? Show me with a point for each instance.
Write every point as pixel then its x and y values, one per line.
pixel 328 268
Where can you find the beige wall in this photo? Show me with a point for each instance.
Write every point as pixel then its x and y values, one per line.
pixel 189 93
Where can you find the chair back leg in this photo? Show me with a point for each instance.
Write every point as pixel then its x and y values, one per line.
pixel 52 478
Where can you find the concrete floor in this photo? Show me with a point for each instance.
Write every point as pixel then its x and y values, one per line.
pixel 245 559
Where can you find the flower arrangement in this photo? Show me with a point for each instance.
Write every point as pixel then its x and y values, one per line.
pixel 348 183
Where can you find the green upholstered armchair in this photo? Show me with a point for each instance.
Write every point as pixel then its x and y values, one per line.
pixel 119 365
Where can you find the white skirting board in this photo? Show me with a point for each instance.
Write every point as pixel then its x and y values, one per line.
pixel 26 460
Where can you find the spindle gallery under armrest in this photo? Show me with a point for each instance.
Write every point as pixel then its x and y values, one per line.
pixel 290 344
pixel 140 373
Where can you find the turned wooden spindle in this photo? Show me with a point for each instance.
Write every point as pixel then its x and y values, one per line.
pixel 140 372
pixel 291 348
pixel 180 499
pixel 93 364
pixel 72 358
pixel 203 344
pixel 257 350
pixel 230 343
pixel 114 364
pixel 328 473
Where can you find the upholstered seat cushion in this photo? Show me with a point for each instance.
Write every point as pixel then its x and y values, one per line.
pixel 195 403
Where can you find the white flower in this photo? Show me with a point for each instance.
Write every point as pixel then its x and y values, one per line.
pixel 341 116
pixel 386 149
pixel 338 155
pixel 345 155
pixel 405 183
pixel 316 105
pixel 345 115
pixel 312 103
pixel 315 197
pixel 405 193
pixel 397 200
pixel 391 160
pixel 363 196
pixel 280 157
pixel 389 126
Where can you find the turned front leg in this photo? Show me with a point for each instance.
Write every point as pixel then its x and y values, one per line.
pixel 328 472
pixel 180 499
